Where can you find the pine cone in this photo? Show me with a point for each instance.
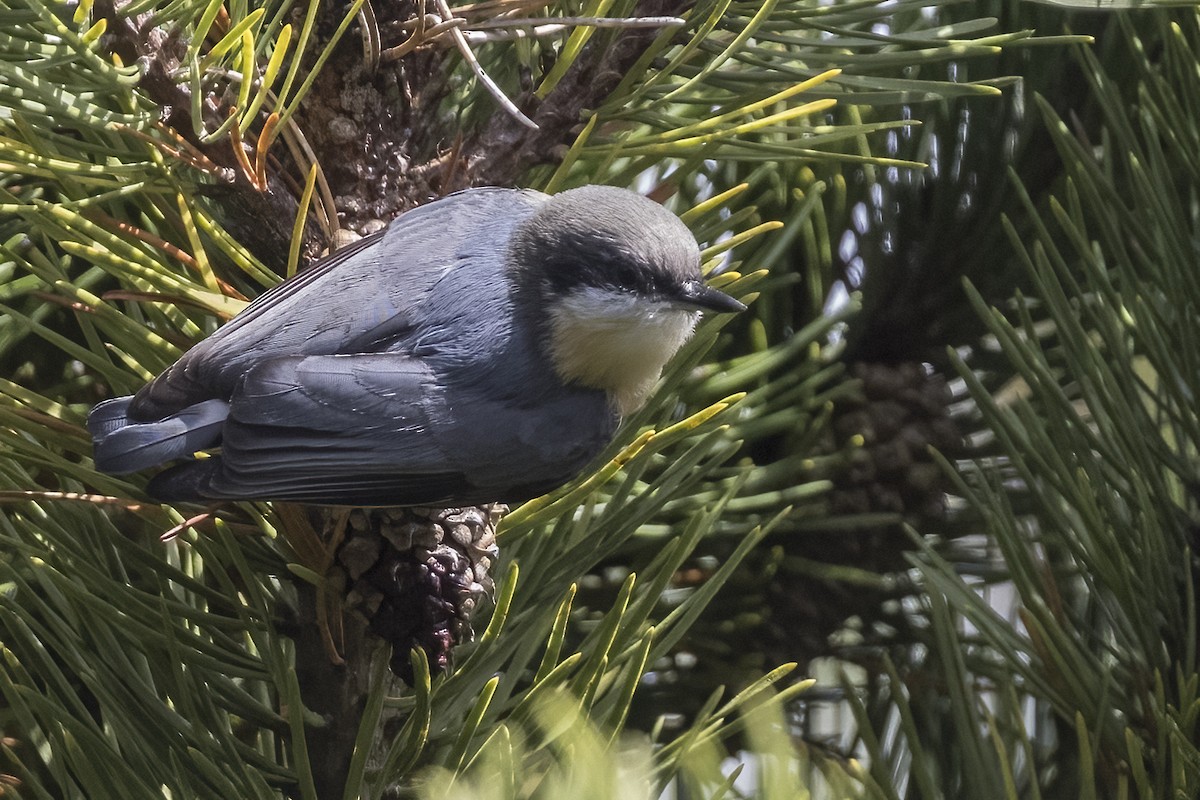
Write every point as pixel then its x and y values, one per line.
pixel 902 411
pixel 417 574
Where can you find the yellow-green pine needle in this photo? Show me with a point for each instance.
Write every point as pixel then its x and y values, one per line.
pixel 294 102
pixel 202 27
pixel 685 426
pixel 231 39
pixel 716 63
pixel 248 71
pixel 685 53
pixel 198 251
pixel 95 32
pixel 572 156
pixel 272 71
pixel 571 50
pixel 310 183
pixel 82 11
pixel 778 97
pixel 681 135
pixel 305 574
pixel 548 506
pixel 503 603
pixel 714 202
pixel 558 632
pixel 301 46
pixel 744 236
pixel 471 724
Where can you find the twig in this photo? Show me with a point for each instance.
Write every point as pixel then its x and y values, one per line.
pixel 370 35
pixel 417 39
pixel 421 34
pixel 498 7
pixel 501 31
pixel 454 158
pixel 469 56
pixel 329 605
pixel 419 22
pixel 503 150
pixel 187 524
pixel 98 499
pixel 587 22
pixel 335 692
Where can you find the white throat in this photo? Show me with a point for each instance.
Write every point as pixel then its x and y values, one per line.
pixel 616 341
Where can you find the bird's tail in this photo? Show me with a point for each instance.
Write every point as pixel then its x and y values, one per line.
pixel 120 446
pixel 185 483
pixel 108 416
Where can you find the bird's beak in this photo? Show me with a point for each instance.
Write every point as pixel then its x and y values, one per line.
pixel 698 294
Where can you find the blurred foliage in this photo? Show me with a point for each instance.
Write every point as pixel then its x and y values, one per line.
pixel 590 765
pixel 1083 682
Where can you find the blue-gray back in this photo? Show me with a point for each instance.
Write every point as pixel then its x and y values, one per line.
pixel 366 298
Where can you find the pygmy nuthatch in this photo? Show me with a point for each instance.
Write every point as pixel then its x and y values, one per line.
pixel 483 347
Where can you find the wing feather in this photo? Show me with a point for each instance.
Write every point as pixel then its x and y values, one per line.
pixel 336 429
pixel 364 298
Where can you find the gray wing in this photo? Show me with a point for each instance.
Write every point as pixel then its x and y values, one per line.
pixel 336 429
pixel 361 299
pixel 382 429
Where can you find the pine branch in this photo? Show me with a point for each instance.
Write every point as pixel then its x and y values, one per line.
pixel 336 693
pixel 504 149
pixel 218 671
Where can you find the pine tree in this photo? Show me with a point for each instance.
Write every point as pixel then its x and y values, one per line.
pixel 163 162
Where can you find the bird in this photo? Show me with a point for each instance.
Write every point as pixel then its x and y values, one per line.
pixel 483 347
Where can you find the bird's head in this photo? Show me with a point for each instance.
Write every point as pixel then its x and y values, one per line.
pixel 616 279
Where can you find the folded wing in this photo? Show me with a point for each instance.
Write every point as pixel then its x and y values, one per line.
pixel 342 429
pixel 363 299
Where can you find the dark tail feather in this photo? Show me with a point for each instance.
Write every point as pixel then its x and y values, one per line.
pixel 184 483
pixel 108 416
pixel 120 446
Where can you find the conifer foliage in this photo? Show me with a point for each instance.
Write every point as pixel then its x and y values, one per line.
pixel 162 162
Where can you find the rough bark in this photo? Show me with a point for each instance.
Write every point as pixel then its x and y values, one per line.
pixel 336 693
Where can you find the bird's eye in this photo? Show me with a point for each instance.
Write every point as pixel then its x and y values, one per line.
pixel 627 276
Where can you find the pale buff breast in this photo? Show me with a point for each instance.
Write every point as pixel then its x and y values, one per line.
pixel 616 341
